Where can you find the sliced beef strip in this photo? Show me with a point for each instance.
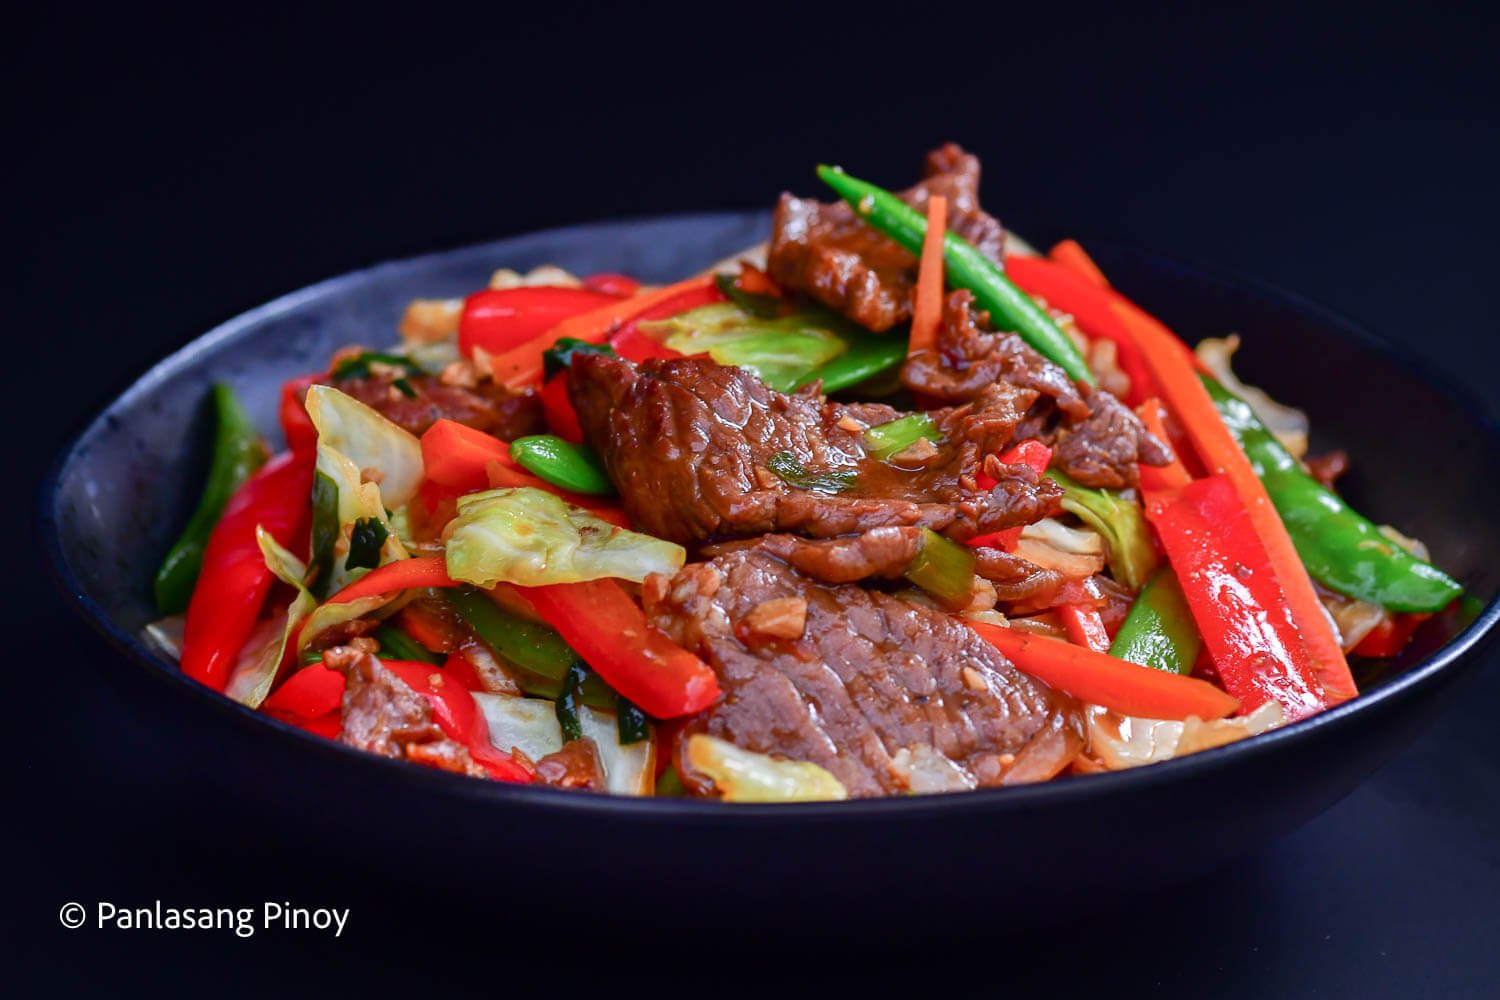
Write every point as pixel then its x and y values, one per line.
pixel 382 715
pixel 1099 441
pixel 967 358
pixel 873 684
pixel 1106 449
pixel 485 406
pixel 575 766
pixel 687 443
pixel 885 553
pixel 829 254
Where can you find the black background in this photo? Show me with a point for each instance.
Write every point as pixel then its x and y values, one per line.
pixel 168 174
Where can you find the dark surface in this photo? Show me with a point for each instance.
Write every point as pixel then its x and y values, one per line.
pixel 175 174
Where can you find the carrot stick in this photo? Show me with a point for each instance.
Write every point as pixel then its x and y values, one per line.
pixel 927 310
pixel 1072 256
pixel 1119 685
pixel 522 365
pixel 1165 477
pixel 1173 368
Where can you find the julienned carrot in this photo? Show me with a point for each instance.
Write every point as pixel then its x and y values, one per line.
pixel 1100 679
pixel 403 574
pixel 757 282
pixel 1073 257
pixel 1176 376
pixel 927 309
pixel 522 365
pixel 1163 477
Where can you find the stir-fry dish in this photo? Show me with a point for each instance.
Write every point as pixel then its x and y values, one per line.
pixel 890 505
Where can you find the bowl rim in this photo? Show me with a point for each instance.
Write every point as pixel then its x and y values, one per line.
pixel 1459 653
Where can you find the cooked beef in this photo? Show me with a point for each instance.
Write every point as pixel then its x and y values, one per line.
pixel 888 695
pixel 885 553
pixel 575 766
pixel 828 253
pixel 1016 579
pixel 878 553
pixel 382 715
pixel 691 446
pixel 967 358
pixel 1328 467
pixel 1106 449
pixel 1099 441
pixel 486 405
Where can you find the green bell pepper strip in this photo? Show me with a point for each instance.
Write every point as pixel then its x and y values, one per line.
pixel 1158 631
pixel 397 645
pixel 894 437
pixel 562 463
pixel 964 267
pixel 238 452
pixel 1132 557
pixel 533 647
pixel 868 355
pixel 1342 549
pixel 943 568
pixel 539 656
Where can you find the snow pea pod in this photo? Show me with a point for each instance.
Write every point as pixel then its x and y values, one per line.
pixel 965 267
pixel 572 466
pixel 1159 631
pixel 1342 549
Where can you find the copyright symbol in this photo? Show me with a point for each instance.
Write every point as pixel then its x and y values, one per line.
pixel 72 915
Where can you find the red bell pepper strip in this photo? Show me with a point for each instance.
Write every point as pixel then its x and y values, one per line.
pixel 498 319
pixel 1070 255
pixel 403 574
pixel 558 410
pixel 310 693
pixel 1175 372
pixel 630 343
pixel 1390 637
pixel 296 425
pixel 1033 454
pixel 1118 685
pixel 621 285
pixel 456 455
pixel 1085 626
pixel 633 345
pixel 454 711
pixel 1235 597
pixel 1090 307
pixel 235 579
pixel 522 364
pixel 609 631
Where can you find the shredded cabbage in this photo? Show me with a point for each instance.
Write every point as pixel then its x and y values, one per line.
pixel 530 726
pixel 255 670
pixel 357 501
pixel 744 776
pixel 1121 741
pixel 1289 425
pixel 370 441
pixel 781 351
pixel 1119 519
pixel 530 537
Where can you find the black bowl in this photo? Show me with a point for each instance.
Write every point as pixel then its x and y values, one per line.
pixel 123 488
